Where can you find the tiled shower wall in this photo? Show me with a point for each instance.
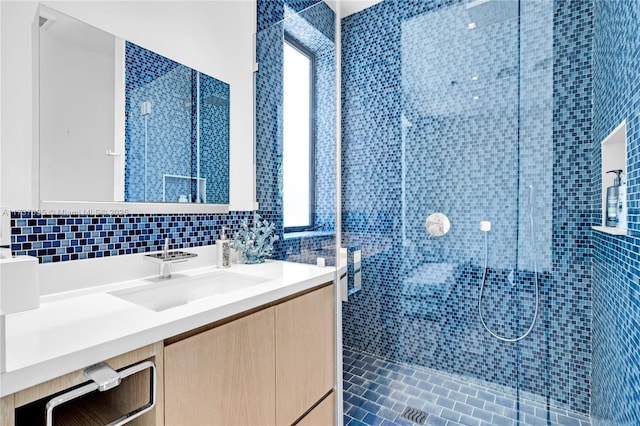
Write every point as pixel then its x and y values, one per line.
pixel 568 307
pixel 616 262
pixel 273 11
pixel 313 27
pixel 416 140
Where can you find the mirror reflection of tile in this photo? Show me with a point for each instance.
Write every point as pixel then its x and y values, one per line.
pixel 176 132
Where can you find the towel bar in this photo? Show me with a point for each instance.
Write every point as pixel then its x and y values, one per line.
pixel 104 378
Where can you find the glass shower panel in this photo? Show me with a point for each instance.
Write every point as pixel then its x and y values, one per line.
pixel 449 109
pixel 460 145
pixel 312 29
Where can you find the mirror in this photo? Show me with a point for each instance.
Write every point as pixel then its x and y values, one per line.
pixel 119 123
pixel 176 131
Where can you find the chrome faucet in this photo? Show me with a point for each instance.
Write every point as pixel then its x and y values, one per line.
pixel 165 270
pixel 166 258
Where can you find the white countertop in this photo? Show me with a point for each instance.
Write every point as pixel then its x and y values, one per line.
pixel 75 329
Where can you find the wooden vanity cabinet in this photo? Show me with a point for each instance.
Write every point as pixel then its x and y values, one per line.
pixel 271 367
pixel 223 376
pixel 323 414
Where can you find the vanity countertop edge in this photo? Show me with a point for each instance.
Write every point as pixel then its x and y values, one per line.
pixel 71 332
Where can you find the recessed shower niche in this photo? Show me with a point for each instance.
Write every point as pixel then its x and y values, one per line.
pixel 614 157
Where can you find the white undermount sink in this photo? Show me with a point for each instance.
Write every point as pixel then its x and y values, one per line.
pixel 163 294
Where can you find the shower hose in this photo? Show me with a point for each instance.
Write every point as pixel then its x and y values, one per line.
pixel 535 272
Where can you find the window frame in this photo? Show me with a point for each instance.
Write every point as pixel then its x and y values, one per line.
pixel 291 41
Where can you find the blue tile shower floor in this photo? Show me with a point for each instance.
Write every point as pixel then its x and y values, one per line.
pixel 377 391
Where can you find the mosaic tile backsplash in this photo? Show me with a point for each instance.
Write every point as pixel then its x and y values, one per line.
pixel 490 123
pixel 57 238
pixel 616 264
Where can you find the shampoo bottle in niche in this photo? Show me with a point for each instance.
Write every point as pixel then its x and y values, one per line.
pixel 622 203
pixel 223 250
pixel 612 199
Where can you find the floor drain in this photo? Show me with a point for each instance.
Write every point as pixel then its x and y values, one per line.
pixel 415 415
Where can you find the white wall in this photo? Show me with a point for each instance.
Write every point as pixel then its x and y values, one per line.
pixel 17 180
pixel 349 7
pixel 215 37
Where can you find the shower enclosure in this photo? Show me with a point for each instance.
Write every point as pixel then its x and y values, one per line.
pixel 453 108
pixel 470 109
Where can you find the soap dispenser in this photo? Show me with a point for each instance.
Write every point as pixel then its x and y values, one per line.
pixel 223 250
pixel 612 199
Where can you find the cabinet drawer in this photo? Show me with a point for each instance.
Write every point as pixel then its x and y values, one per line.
pixel 223 376
pixel 304 353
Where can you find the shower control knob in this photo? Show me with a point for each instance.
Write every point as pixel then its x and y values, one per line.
pixel 485 226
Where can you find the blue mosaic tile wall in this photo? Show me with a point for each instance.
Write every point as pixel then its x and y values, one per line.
pixel 569 305
pixel 151 77
pixel 307 249
pixel 313 28
pixel 616 331
pixel 58 238
pixel 214 138
pixel 616 271
pixel 325 158
pixel 268 124
pixel 165 141
pixel 271 12
pixel 420 135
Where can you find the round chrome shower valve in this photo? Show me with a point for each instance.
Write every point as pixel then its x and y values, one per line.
pixel 437 224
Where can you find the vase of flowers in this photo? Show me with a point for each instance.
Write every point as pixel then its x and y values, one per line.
pixel 255 241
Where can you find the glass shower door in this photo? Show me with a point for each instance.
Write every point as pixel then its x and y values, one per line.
pixel 450 110
pixel 286 119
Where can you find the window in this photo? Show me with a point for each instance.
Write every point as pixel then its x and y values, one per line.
pixel 298 138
